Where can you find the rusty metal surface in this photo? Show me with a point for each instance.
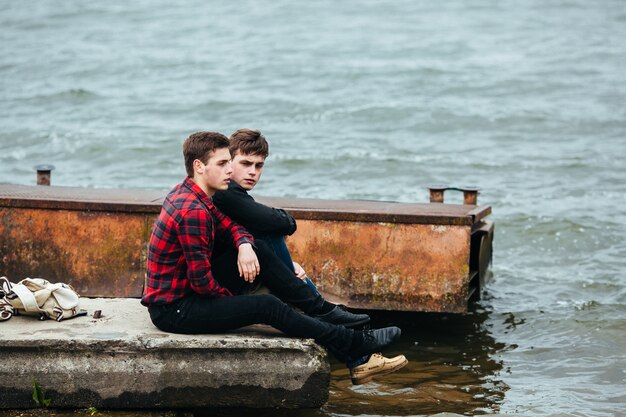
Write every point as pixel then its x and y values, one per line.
pixel 100 254
pixel 379 211
pixel 149 201
pixel 76 198
pixel 98 244
pixel 387 266
pixel 470 194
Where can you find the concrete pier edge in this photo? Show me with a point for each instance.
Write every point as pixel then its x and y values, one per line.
pixel 121 361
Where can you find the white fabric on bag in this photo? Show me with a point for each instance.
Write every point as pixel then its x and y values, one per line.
pixel 39 297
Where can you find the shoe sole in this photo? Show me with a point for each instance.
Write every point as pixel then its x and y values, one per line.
pixel 357 381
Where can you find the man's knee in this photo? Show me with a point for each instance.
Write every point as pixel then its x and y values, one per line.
pixel 261 246
pixel 268 299
pixel 263 251
pixel 270 306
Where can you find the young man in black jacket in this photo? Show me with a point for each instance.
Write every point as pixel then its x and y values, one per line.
pixel 249 149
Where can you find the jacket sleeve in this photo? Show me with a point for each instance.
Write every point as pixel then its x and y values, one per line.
pixel 241 207
pixel 226 227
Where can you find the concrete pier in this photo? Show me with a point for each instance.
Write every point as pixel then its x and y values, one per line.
pixel 121 360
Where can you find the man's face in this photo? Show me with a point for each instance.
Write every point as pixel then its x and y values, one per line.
pixel 247 170
pixel 215 174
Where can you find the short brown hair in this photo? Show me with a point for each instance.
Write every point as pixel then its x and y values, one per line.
pixel 199 145
pixel 248 142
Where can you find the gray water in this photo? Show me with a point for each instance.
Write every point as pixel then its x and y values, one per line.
pixel 374 100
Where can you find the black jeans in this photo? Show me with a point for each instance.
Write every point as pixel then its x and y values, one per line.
pixel 198 314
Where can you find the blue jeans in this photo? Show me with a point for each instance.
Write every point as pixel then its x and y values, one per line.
pixel 278 245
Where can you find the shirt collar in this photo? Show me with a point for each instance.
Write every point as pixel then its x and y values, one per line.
pixel 195 188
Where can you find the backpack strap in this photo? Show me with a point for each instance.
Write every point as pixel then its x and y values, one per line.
pixel 6 309
pixel 27 298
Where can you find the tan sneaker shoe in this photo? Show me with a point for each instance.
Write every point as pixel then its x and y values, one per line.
pixel 377 365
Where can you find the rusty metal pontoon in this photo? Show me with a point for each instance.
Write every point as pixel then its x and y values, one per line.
pixel 371 255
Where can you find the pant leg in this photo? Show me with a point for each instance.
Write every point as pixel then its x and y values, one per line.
pixel 225 271
pixel 283 283
pixel 197 314
pixel 275 275
pixel 278 245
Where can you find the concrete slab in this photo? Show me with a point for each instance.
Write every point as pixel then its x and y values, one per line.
pixel 122 361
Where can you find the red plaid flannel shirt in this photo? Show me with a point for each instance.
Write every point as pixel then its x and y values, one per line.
pixel 180 248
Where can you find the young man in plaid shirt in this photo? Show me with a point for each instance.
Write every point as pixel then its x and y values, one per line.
pixel 202 267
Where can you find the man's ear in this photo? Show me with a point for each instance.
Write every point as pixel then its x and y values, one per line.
pixel 198 166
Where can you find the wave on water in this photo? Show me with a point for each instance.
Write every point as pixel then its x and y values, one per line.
pixel 79 95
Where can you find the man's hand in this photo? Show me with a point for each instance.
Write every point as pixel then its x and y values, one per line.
pixel 247 262
pixel 299 271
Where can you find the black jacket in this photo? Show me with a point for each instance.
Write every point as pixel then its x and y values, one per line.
pixel 257 218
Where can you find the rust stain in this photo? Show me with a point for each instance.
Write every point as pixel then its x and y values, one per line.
pixel 99 253
pixel 387 266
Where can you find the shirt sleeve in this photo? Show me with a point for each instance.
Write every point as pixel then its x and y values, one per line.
pixel 234 231
pixel 194 231
pixel 241 207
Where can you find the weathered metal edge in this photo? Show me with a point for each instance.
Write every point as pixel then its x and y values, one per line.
pixel 75 205
pixel 479 213
pixel 306 209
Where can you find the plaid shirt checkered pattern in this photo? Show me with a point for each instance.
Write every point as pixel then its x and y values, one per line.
pixel 180 248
